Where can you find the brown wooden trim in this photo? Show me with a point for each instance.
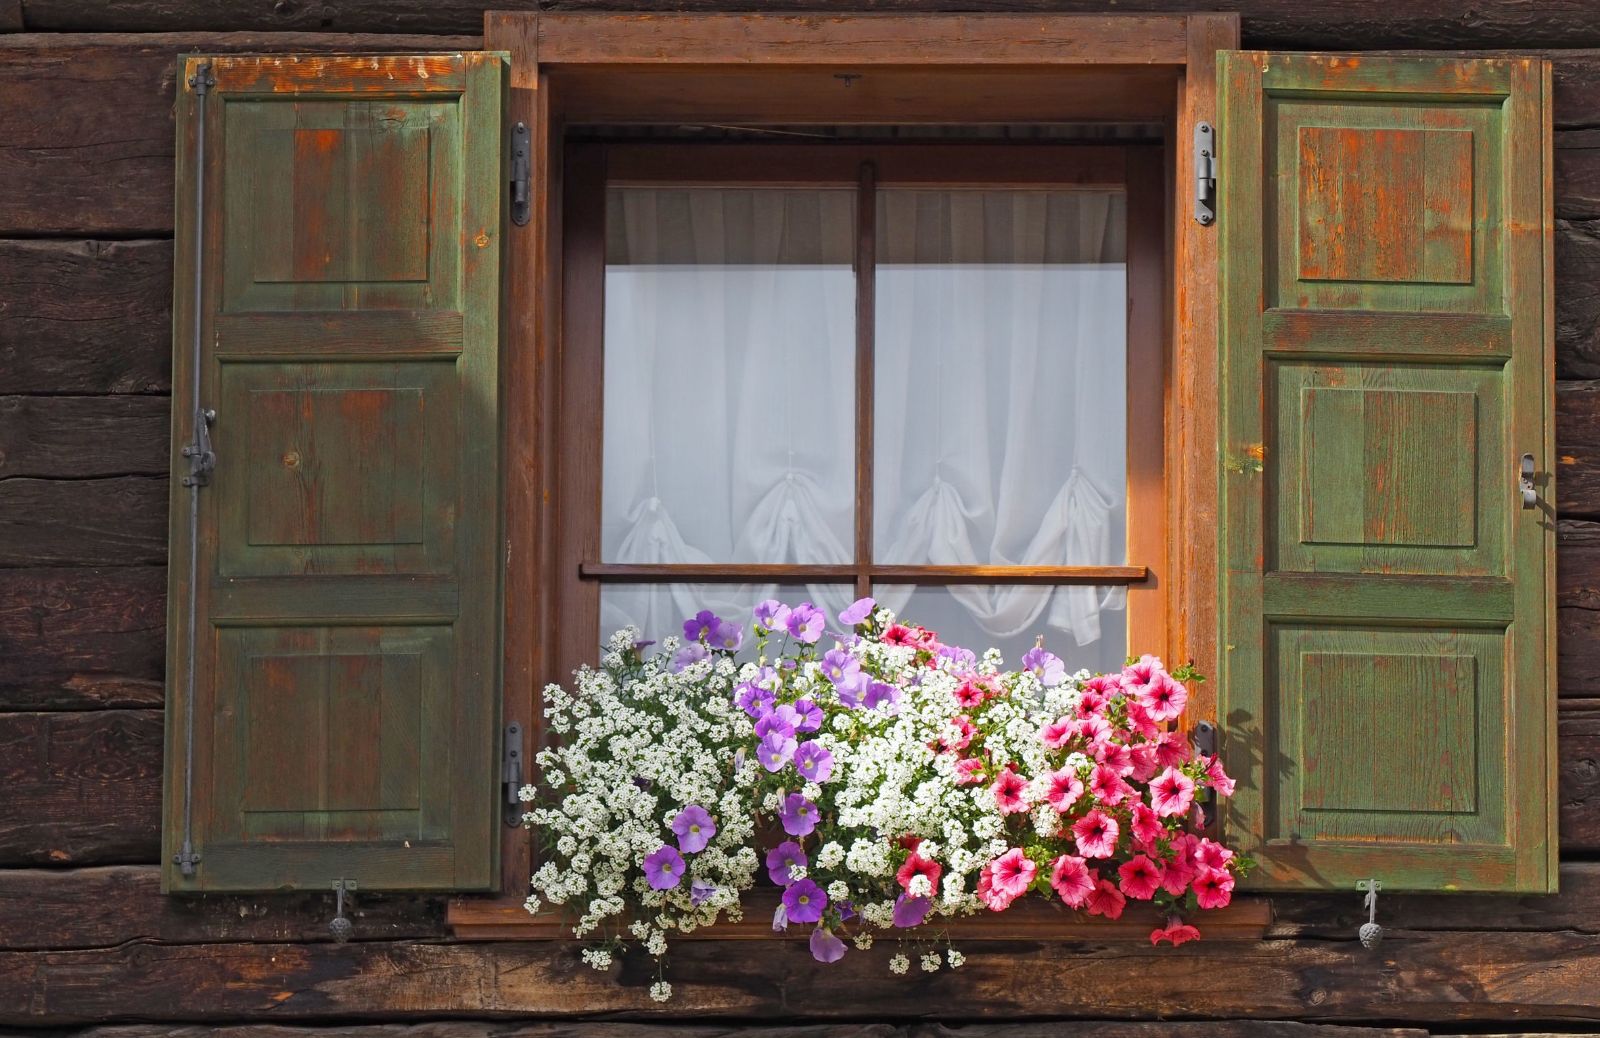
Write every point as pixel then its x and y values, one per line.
pixel 987 40
pixel 757 573
pixel 866 264
pixel 993 164
pixel 1247 918
pixel 1149 376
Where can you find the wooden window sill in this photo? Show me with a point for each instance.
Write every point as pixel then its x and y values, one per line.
pixel 1247 919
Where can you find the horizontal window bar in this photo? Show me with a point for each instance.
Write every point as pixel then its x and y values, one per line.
pixel 734 573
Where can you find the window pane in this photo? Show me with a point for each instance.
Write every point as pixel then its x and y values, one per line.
pixel 659 610
pixel 1085 626
pixel 1000 378
pixel 729 376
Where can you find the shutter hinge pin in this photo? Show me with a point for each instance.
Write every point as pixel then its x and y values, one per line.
pixel 1205 174
pixel 1205 744
pixel 202 460
pixel 186 858
pixel 511 775
pixel 340 925
pixel 1371 933
pixel 521 175
pixel 203 79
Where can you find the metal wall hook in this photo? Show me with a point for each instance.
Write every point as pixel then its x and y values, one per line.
pixel 340 925
pixel 1371 933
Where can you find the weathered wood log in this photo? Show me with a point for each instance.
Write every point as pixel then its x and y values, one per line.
pixel 80 437
pixel 86 133
pixel 104 907
pixel 120 521
pixel 1577 248
pixel 1578 785
pixel 1463 976
pixel 82 639
pixel 1336 24
pixel 595 1029
pixel 80 788
pixel 85 316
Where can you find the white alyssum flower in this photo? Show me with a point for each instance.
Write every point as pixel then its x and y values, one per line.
pixel 899 964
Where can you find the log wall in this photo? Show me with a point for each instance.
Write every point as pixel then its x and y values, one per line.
pixel 87 943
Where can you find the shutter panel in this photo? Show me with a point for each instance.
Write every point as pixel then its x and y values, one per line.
pixel 1387 678
pixel 343 717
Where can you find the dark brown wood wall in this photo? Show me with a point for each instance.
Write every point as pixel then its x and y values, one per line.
pixel 86 939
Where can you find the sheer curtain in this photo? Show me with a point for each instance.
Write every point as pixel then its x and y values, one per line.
pixel 999 393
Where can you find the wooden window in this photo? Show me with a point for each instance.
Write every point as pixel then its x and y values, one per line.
pixel 872 233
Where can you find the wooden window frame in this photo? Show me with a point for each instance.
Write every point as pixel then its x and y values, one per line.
pixel 570 68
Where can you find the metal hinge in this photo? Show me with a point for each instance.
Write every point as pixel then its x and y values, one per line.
pixel 521 174
pixel 511 775
pixel 1205 744
pixel 202 460
pixel 203 79
pixel 1205 174
pixel 1525 474
pixel 340 926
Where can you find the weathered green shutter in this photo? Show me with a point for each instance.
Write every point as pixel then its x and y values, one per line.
pixel 343 714
pixel 1387 678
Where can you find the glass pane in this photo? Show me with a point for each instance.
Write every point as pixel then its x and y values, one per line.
pixel 729 376
pixel 1085 626
pixel 659 610
pixel 1001 378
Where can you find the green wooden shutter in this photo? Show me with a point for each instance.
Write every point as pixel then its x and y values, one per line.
pixel 343 716
pixel 1387 637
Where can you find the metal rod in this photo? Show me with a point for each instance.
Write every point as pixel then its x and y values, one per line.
pixel 201 83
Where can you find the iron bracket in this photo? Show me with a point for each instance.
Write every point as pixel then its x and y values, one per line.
pixel 1205 174
pixel 1530 493
pixel 340 927
pixel 511 775
pixel 1205 743
pixel 202 460
pixel 521 174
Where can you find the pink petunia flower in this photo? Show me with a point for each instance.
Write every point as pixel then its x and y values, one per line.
pixel 917 865
pixel 1115 755
pixel 1006 878
pixel 1064 790
pixel 1145 764
pixel 1058 733
pixel 1091 703
pixel 1213 888
pixel 1108 786
pixel 1141 877
pixel 1093 730
pixel 1096 834
pixel 1212 855
pixel 1180 868
pixel 1171 793
pixel 958 734
pixel 1145 826
pixel 1106 900
pixel 1163 697
pixel 969 771
pixel 1008 789
pixel 1072 879
pixel 969 694
pixel 1219 778
pixel 1141 721
pixel 1176 932
pixel 1172 749
pixel 1136 675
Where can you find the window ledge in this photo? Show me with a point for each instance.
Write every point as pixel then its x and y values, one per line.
pixel 1246 919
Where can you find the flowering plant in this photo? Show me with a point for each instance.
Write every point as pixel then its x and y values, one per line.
pixel 912 781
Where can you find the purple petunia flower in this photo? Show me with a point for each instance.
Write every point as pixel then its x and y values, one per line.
pixel 856 611
pixel 771 615
pixel 910 911
pixel 825 947
pixel 840 667
pixel 782 719
pixel 963 659
pixel 780 918
pixel 1045 666
pixel 814 762
pixel 701 891
pixel 879 693
pixel 774 750
pixel 807 715
pixel 689 654
pixel 700 625
pixel 805 622
pixel 803 902
pixel 695 828
pixel 799 817
pixel 664 869
pixel 726 636
pixel 851 693
pixel 754 700
pixel 782 858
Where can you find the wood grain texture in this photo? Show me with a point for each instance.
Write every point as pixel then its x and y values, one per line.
pixel 101 907
pixel 1462 976
pixel 80 788
pixel 117 521
pixel 70 169
pixel 82 639
pixel 1578 755
pixel 82 437
pixel 601 1029
pixel 85 316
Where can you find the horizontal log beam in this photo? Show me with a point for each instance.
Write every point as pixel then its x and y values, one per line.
pixel 598 1029
pixel 80 788
pixel 86 133
pixel 82 639
pixel 85 316
pixel 120 521
pixel 105 907
pixel 81 437
pixel 1458 976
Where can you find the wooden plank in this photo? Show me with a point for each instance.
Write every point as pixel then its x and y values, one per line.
pixel 85 316
pixel 120 521
pixel 1577 246
pixel 1462 976
pixel 106 906
pixel 80 788
pixel 608 1029
pixel 82 639
pixel 1578 757
pixel 81 437
pixel 70 168
pixel 1577 462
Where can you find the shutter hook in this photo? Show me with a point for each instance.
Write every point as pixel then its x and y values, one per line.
pixel 340 925
pixel 1371 933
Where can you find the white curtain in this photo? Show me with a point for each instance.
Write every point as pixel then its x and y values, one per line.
pixel 999 405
